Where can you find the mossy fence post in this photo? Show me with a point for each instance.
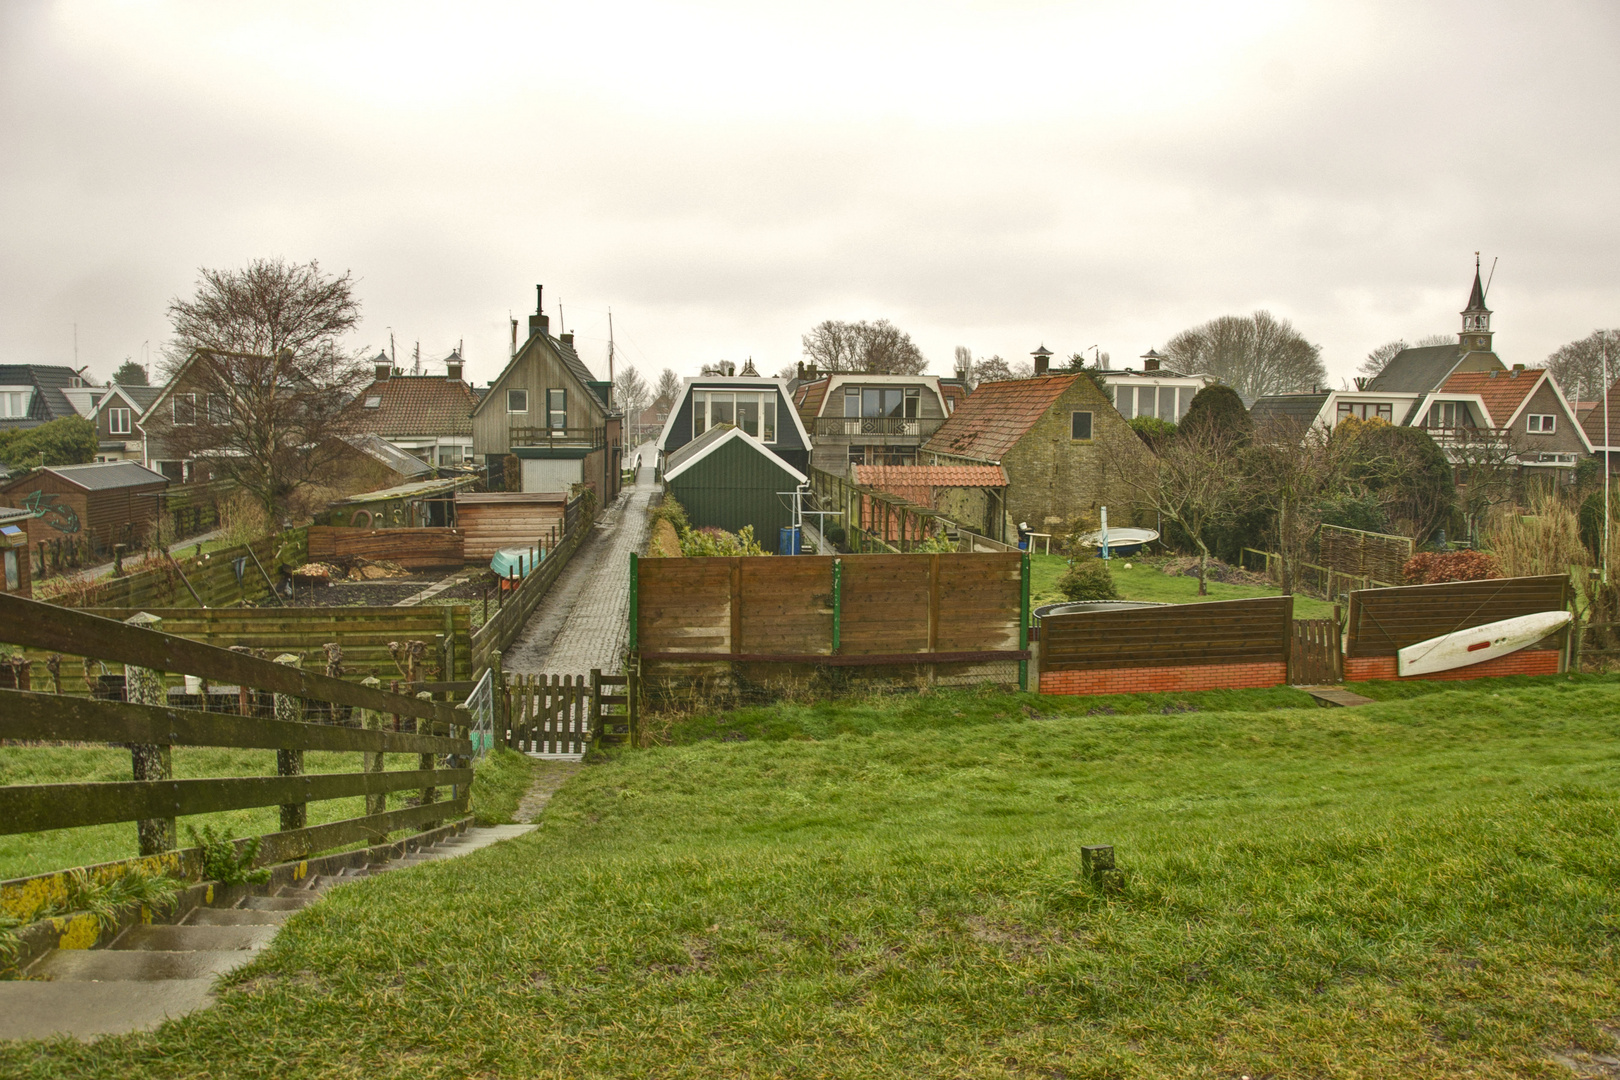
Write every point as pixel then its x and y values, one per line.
pixel 425 761
pixel 372 761
pixel 149 761
pixel 290 708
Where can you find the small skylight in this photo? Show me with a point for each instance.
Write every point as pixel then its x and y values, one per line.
pixel 374 401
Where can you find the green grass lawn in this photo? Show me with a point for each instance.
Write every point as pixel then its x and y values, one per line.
pixel 1422 887
pixel 1146 580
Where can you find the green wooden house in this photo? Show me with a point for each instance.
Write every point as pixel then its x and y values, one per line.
pixel 727 479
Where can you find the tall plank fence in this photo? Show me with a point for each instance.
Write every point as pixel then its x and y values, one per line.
pixel 194 581
pixel 414 549
pixel 507 623
pixel 753 626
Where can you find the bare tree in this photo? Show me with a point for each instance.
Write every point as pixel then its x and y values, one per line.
pixel 631 393
pixel 1380 357
pixel 1487 471
pixel 667 390
pixel 261 380
pixel 1292 470
pixel 1194 481
pixel 875 348
pixel 992 369
pixel 1255 355
pixel 1578 366
pixel 963 368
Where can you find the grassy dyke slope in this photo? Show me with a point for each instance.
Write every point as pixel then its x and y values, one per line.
pixel 1422 887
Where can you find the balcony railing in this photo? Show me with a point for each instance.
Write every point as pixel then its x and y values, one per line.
pixel 1449 436
pixel 915 427
pixel 592 437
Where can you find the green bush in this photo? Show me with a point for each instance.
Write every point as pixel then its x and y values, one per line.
pixel 697 543
pixel 1088 579
pixel 220 861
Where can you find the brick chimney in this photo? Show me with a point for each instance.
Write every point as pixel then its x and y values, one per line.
pixel 1043 359
pixel 567 338
pixel 383 366
pixel 538 323
pixel 452 367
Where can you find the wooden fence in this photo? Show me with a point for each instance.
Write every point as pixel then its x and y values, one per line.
pixel 1360 554
pixel 362 634
pixel 499 632
pixel 414 549
pixel 195 581
pixel 1383 621
pixel 550 715
pixel 1315 656
pixel 1224 643
pixel 490 521
pixel 948 617
pixel 154 799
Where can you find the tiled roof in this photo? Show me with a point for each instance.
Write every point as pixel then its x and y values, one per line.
pixel 955 393
pixel 917 483
pixel 1592 423
pixel 1296 408
pixel 1417 371
pixel 49 380
pixel 1500 390
pixel 808 397
pixel 996 415
pixel 416 405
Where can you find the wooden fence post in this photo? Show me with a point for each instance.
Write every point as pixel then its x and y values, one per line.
pixel 837 601
pixel 1023 620
pixel 372 762
pixel 291 762
pixel 145 686
pixel 426 761
pixel 635 607
pixel 632 691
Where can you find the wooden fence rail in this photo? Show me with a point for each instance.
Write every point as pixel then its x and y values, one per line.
pixel 154 799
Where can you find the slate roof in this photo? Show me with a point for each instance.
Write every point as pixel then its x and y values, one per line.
pixel 565 349
pixel 1417 371
pixel 1502 393
pixel 1297 408
pixel 416 405
pixel 1476 298
pixel 102 476
pixel 695 447
pixel 996 415
pixel 48 381
pixel 918 483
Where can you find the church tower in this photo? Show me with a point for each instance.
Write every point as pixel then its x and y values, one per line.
pixel 1476 318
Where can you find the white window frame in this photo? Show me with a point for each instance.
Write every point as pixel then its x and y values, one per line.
pixel 557 407
pixel 15 401
pixel 174 410
pixel 1541 423
pixel 769 411
pixel 517 412
pixel 120 422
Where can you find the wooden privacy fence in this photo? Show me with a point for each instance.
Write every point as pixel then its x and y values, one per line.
pixel 209 580
pixel 414 549
pixel 363 635
pixel 493 520
pixel 1360 554
pixel 154 799
pixel 947 617
pixel 1381 622
pixel 500 631
pixel 1225 643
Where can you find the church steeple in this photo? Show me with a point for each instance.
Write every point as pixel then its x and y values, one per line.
pixel 1476 318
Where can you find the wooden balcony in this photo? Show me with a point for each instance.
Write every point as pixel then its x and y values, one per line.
pixel 589 438
pixel 866 428
pixel 1457 436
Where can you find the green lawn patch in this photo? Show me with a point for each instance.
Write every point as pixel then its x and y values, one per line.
pixel 1146 580
pixel 1422 887
pixel 503 776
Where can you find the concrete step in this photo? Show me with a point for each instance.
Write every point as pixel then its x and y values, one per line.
pixel 39 1010
pixel 208 916
pixel 193 938
pixel 112 965
pixel 300 891
pixel 276 903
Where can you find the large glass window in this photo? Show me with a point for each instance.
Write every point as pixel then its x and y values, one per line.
pixel 852 401
pixel 700 413
pixel 1125 401
pixel 748 413
pixel 557 410
pixel 754 413
pixel 1367 410
pixel 1167 403
pixel 517 401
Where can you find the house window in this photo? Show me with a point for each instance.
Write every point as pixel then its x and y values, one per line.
pixel 118 422
pixel 857 455
pixel 913 402
pixel 1448 414
pixel 700 413
pixel 1125 401
pixel 449 455
pixel 219 409
pixel 14 403
pixel 1367 410
pixel 754 413
pixel 174 471
pixel 373 401
pixel 557 410
pixel 1167 403
pixel 517 401
pixel 185 409
pixel 1080 426
pixel 852 402
pixel 1542 423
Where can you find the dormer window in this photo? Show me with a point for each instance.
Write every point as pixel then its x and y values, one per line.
pixel 373 401
pixel 1366 410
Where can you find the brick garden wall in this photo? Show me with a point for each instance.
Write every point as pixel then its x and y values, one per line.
pixel 1524 662
pixel 1159 680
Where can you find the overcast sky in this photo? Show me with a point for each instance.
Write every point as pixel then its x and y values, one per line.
pixel 724 176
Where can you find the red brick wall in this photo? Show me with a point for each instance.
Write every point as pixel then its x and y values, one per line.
pixel 1523 662
pixel 1150 680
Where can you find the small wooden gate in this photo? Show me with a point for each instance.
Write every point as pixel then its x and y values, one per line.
pixel 549 716
pixel 1314 656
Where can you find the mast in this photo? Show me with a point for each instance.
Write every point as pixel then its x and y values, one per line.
pixel 1608 453
pixel 610 358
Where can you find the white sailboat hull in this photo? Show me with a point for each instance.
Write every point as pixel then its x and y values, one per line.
pixel 1466 647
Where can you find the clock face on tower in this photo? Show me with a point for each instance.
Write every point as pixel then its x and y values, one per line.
pixel 1480 342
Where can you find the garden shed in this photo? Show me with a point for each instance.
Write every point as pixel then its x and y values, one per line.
pixel 727 479
pixel 14 564
pixel 90 507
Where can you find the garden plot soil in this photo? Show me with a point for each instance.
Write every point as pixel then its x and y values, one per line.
pixel 383 592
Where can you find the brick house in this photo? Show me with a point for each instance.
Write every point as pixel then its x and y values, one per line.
pixel 116 414
pixel 1061 441
pixel 429 416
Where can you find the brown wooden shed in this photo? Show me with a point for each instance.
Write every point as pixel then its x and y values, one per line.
pixel 15 568
pixel 99 505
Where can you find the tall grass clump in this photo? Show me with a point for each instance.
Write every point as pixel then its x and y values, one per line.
pixel 1547 541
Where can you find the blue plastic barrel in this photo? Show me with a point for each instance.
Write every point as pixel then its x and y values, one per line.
pixel 789 543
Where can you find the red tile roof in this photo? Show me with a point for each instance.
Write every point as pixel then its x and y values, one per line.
pixel 807 398
pixel 1501 392
pixel 955 394
pixel 411 405
pixel 917 483
pixel 1592 423
pixel 997 414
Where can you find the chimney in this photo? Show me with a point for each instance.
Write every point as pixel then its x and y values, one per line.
pixel 567 338
pixel 452 367
pixel 1043 359
pixel 801 371
pixel 1516 369
pixel 538 323
pixel 384 367
pixel 1150 360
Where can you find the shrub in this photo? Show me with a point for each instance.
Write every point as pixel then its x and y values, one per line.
pixel 697 543
pixel 1435 567
pixel 1088 579
pixel 1548 542
pixel 221 863
pixel 1152 430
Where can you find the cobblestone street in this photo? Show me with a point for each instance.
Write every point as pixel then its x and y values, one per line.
pixel 583 622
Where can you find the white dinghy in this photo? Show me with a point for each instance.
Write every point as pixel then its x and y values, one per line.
pixel 1475 646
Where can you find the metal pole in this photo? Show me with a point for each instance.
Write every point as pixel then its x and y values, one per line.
pixel 1608 449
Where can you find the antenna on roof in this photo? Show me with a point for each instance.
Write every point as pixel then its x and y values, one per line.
pixel 1489 276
